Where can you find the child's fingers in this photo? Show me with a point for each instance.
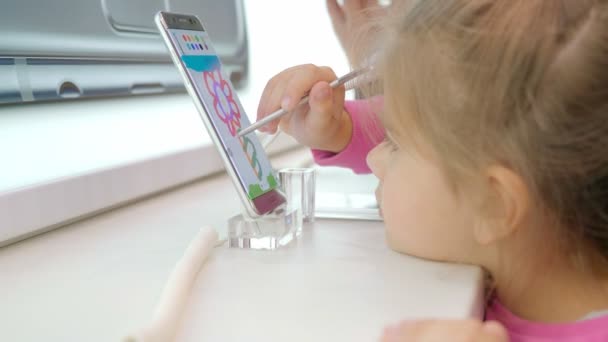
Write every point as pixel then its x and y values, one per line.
pixel 271 96
pixel 335 11
pixel 287 88
pixel 321 101
pixel 325 104
pixel 270 105
pixel 301 82
pixel 353 6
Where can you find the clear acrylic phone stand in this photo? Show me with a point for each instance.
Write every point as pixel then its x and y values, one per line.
pixel 284 226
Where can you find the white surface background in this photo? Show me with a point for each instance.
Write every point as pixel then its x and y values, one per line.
pixel 99 279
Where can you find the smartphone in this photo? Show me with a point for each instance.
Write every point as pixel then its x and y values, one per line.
pixel 221 111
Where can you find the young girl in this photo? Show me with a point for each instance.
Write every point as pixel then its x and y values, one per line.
pixel 496 118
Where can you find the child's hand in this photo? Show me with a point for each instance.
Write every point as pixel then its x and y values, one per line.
pixel 446 330
pixel 350 16
pixel 322 123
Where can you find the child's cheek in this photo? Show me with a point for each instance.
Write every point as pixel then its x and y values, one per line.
pixel 391 218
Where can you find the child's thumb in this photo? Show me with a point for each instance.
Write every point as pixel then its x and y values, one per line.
pixel 321 101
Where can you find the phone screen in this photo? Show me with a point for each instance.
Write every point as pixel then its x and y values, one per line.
pixel 225 111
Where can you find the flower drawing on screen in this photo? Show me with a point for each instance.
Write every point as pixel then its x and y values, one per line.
pixel 223 101
pixel 227 110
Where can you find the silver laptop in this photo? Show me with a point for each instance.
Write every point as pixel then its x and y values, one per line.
pixel 66 49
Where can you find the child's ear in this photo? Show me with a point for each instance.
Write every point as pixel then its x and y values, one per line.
pixel 506 205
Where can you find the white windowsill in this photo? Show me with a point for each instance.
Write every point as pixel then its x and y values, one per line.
pixel 50 141
pixel 64 161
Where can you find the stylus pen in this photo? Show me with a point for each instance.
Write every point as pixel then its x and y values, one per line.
pixel 334 84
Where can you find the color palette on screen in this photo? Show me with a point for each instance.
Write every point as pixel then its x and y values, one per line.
pixel 194 42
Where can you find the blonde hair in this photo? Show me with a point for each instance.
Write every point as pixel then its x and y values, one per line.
pixel 521 83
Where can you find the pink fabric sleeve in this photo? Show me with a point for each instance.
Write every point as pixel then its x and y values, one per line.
pixel 521 330
pixel 367 133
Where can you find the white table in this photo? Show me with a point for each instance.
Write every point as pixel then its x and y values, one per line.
pixel 98 279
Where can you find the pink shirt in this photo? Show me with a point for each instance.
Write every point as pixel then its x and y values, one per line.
pixel 520 330
pixel 367 133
